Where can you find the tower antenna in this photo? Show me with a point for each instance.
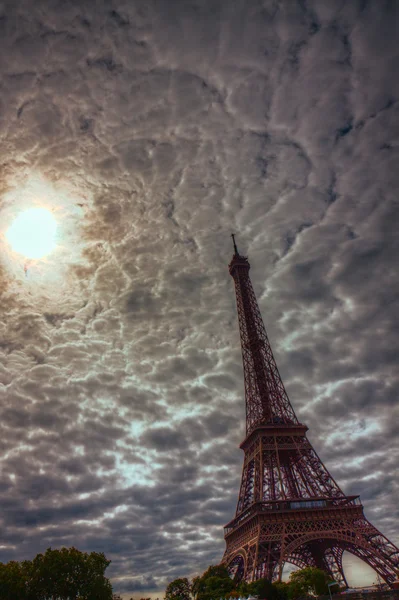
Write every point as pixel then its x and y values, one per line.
pixel 234 243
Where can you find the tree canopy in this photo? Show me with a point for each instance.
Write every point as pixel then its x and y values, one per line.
pixel 179 589
pixel 65 574
pixel 215 583
pixel 308 581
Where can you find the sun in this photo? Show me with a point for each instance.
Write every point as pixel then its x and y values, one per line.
pixel 33 233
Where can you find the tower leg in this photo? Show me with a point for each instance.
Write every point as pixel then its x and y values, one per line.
pixel 333 560
pixel 250 574
pixel 376 550
pixel 263 561
pixel 375 562
pixel 282 550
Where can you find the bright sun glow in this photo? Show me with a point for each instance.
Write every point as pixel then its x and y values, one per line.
pixel 33 233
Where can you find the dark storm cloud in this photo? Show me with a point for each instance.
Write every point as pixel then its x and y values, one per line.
pixel 154 129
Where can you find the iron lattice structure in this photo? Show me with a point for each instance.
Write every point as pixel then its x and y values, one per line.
pixel 289 507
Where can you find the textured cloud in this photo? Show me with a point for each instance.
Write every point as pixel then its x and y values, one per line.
pixel 151 130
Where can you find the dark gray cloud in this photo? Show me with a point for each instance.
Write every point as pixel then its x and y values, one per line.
pixel 152 129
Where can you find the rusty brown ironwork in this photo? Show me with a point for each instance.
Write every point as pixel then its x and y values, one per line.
pixel 289 507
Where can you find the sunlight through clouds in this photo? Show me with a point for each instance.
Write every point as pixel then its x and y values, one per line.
pixel 33 233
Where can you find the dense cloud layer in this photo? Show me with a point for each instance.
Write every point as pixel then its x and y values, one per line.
pixel 152 129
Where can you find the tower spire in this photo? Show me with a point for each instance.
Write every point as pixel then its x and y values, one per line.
pixel 265 396
pixel 234 243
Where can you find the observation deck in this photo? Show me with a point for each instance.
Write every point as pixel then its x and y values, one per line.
pixel 284 506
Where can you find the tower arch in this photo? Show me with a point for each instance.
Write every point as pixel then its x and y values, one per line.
pixel 358 545
pixel 237 565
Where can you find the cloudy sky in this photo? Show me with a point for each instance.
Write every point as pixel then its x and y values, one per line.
pixel 152 129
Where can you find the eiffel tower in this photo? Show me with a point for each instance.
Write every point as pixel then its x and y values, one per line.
pixel 289 507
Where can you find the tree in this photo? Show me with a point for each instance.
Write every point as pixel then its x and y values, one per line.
pixel 13 581
pixel 308 581
pixel 57 574
pixel 263 588
pixel 243 588
pixel 213 584
pixel 179 589
pixel 282 589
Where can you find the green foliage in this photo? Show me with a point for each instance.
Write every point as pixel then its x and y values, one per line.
pixel 308 581
pixel 282 589
pixel 57 575
pixel 263 589
pixel 179 589
pixel 13 581
pixel 214 584
pixel 243 588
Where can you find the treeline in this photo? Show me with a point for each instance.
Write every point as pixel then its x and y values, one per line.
pixel 63 574
pixel 69 574
pixel 216 584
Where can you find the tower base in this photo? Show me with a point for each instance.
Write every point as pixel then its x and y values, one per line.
pixel 315 532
